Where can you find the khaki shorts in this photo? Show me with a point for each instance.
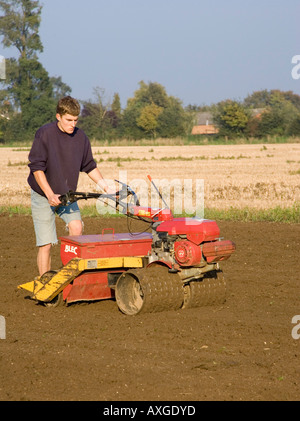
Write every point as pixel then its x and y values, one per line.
pixel 43 216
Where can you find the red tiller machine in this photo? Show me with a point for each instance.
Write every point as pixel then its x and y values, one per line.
pixel 174 266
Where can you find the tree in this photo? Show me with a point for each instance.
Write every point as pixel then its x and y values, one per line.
pixel 28 87
pixel 280 111
pixel 231 118
pixel 258 99
pixel 278 117
pixel 148 118
pixel 293 128
pixel 174 120
pixel 99 118
pixel 60 89
pixel 19 26
pixel 115 114
pixel 151 112
pixel 265 98
pixel 152 93
pixel 116 105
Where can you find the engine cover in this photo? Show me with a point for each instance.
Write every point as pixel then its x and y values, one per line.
pixel 187 253
pixel 196 230
pixel 216 251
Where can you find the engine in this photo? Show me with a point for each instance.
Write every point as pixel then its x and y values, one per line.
pixel 189 242
pixel 187 253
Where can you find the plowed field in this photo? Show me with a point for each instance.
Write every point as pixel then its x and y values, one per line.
pixel 242 350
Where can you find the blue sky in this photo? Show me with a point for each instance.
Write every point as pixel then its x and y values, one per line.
pixel 202 52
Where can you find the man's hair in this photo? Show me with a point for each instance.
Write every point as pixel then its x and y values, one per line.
pixel 68 105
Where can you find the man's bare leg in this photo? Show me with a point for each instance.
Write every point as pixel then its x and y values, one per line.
pixel 44 259
pixel 44 253
pixel 75 227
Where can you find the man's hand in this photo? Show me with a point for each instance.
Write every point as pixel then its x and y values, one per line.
pixel 53 200
pixel 111 191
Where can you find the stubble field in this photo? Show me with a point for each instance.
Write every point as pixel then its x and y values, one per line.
pixel 238 176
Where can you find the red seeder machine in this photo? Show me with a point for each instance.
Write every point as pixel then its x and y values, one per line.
pixel 174 266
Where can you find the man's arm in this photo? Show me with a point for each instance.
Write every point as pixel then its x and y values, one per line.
pixel 97 177
pixel 41 179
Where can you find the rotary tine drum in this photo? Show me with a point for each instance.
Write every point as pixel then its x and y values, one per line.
pixel 148 290
pixel 210 290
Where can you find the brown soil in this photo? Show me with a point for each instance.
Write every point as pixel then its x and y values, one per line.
pixel 243 350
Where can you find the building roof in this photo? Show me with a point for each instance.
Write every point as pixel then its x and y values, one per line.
pixel 205 129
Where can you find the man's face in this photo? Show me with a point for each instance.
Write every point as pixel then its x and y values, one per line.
pixel 67 122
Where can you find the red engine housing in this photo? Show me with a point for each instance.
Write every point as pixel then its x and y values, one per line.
pixel 187 253
pixel 196 230
pixel 218 250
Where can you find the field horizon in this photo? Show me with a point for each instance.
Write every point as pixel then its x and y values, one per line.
pixel 252 178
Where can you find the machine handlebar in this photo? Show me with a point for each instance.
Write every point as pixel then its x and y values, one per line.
pixel 130 209
pixel 118 197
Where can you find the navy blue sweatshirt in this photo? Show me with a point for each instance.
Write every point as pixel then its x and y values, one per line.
pixel 61 157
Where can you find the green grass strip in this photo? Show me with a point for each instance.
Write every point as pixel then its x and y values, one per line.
pixel 283 215
pixel 289 215
pixel 15 210
pixel 185 140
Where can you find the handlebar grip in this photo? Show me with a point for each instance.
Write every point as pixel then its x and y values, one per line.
pixel 63 201
pixel 64 198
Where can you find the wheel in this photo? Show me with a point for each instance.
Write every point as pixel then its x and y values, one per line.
pixel 149 290
pixel 57 301
pixel 129 293
pixel 210 290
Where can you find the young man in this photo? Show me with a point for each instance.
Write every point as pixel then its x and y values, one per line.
pixel 59 152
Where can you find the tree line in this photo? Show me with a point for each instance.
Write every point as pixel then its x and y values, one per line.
pixel 28 97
